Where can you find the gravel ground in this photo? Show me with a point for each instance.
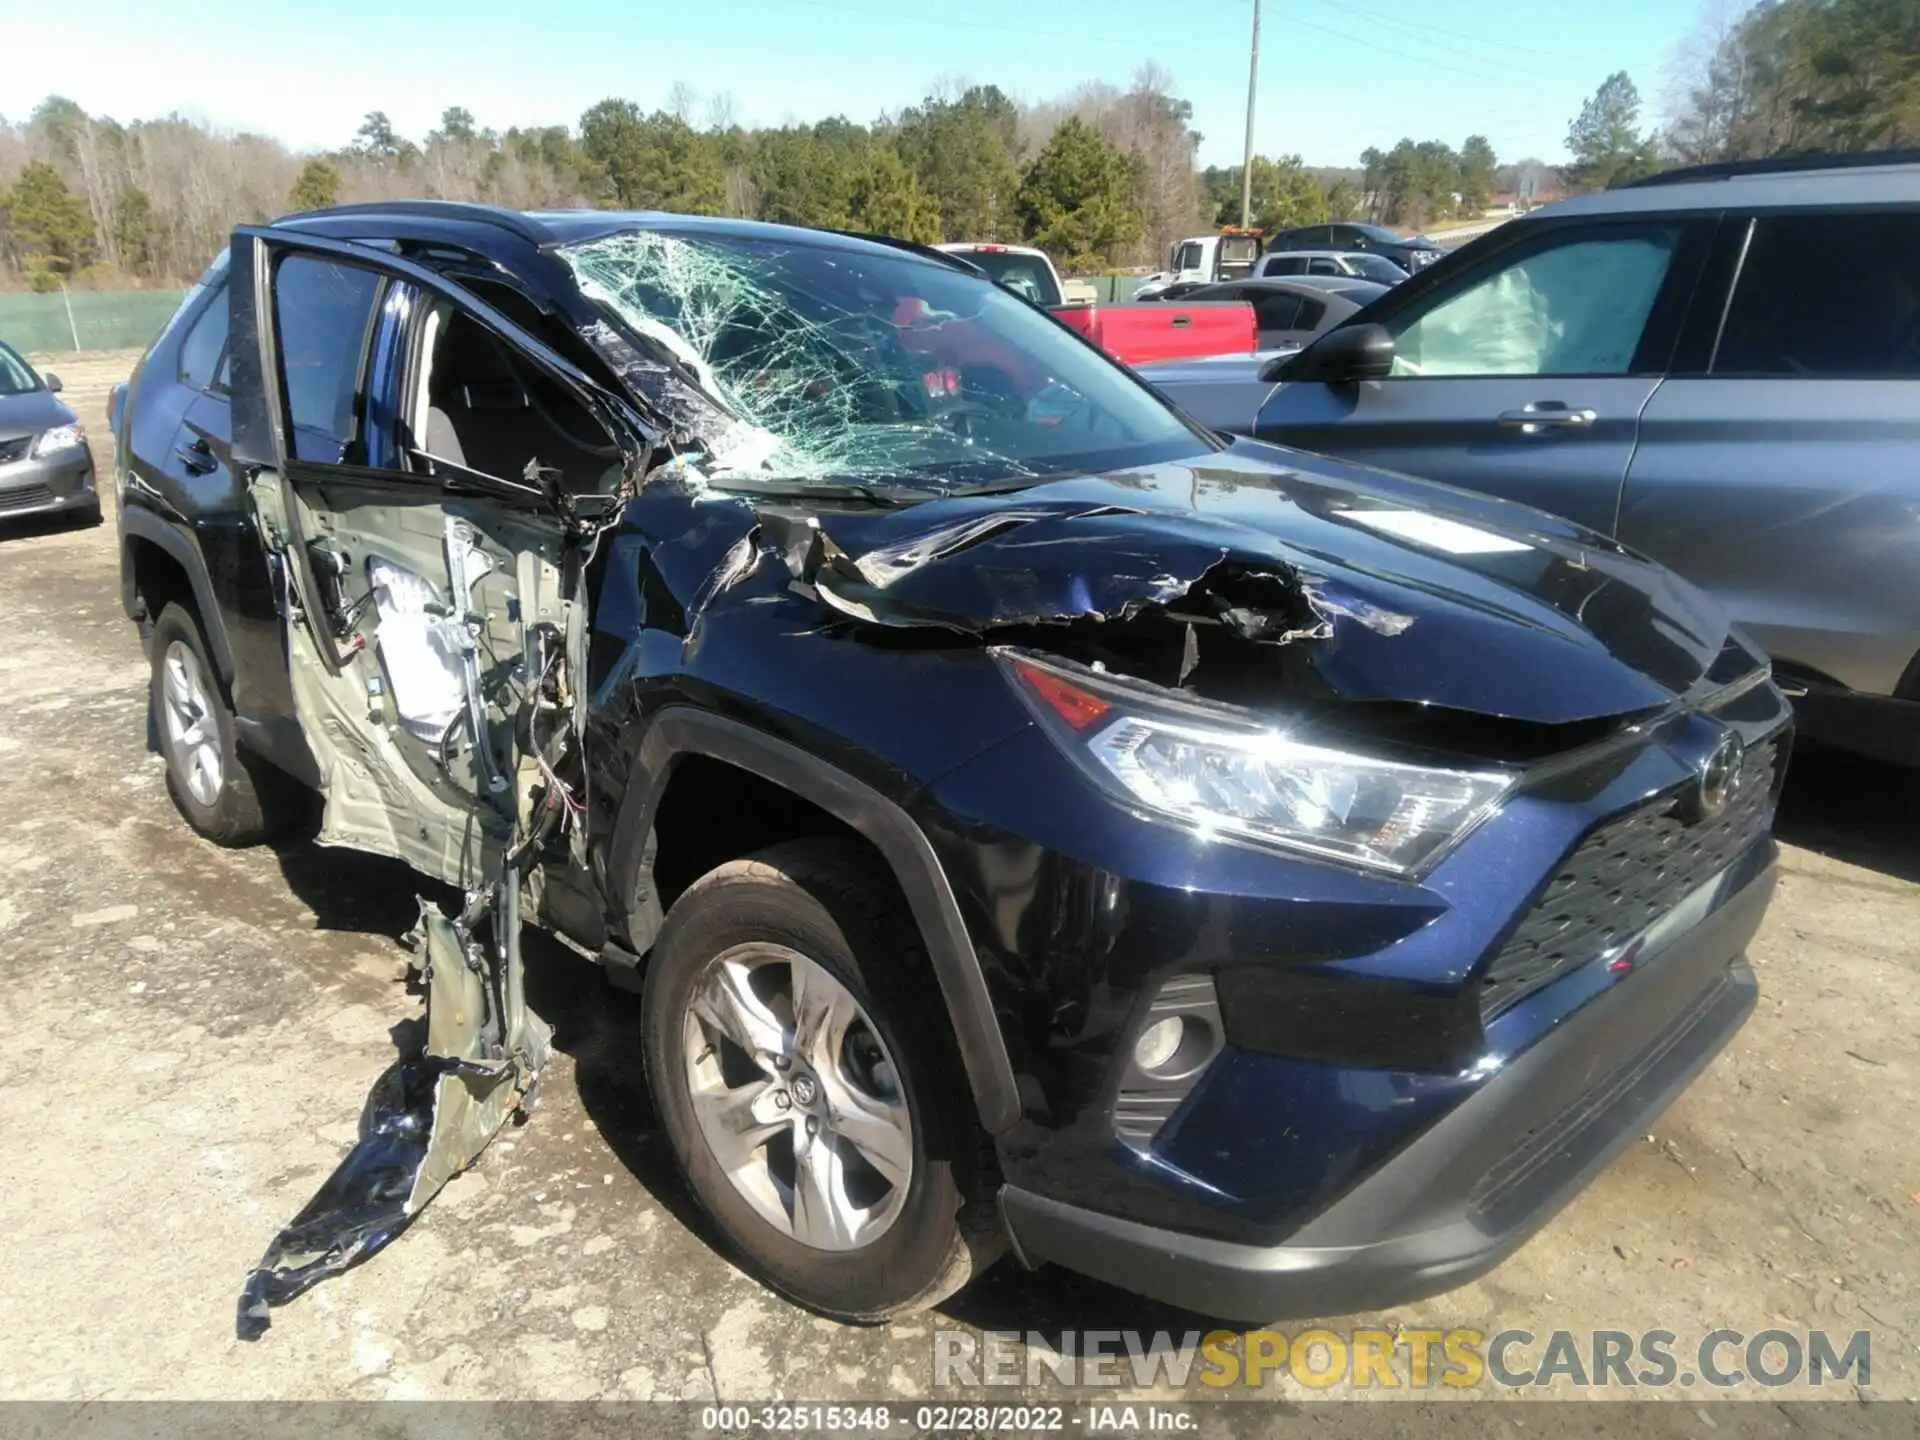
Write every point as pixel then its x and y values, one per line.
pixel 193 1031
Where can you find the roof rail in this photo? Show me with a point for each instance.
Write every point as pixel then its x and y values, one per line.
pixel 498 215
pixel 912 247
pixel 1775 165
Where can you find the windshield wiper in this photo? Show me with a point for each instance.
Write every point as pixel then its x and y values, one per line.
pixel 887 499
pixel 999 487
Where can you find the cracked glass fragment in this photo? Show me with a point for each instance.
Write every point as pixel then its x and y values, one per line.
pixel 816 362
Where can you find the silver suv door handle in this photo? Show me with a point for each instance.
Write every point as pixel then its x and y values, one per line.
pixel 1546 415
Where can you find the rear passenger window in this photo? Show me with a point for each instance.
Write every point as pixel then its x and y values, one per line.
pixel 1826 295
pixel 1276 312
pixel 203 350
pixel 323 312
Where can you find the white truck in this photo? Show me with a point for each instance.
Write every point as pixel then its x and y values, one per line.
pixel 1027 272
pixel 1228 254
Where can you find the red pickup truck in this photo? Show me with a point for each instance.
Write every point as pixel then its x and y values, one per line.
pixel 1132 334
pixel 1156 330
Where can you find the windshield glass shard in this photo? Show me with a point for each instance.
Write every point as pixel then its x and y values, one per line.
pixel 840 363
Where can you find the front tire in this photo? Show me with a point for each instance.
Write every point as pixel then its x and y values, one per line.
pixel 810 1093
pixel 226 794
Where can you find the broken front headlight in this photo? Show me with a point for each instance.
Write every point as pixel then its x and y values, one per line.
pixel 1222 772
pixel 60 437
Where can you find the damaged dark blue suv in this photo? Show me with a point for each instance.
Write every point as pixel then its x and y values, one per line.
pixel 1271 885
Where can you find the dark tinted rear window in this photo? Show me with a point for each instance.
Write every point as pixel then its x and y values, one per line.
pixel 1277 311
pixel 206 343
pixel 1827 295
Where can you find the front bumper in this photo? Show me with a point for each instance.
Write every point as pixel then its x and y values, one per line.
pixel 61 481
pixel 1471 1189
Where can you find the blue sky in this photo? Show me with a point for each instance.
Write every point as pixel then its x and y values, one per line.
pixel 1335 77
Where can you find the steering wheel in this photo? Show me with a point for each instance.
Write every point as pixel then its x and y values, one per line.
pixel 960 416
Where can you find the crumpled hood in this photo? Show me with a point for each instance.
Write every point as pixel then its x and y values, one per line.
pixel 1391 588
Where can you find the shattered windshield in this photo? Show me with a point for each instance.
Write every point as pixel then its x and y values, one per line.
pixel 835 364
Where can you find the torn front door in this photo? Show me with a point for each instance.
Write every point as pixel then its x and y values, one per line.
pixel 434 625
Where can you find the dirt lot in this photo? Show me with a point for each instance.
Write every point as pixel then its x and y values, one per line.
pixel 193 1030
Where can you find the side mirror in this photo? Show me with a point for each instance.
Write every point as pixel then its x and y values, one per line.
pixel 54 387
pixel 1344 356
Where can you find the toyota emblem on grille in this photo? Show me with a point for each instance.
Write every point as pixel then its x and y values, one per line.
pixel 1719 774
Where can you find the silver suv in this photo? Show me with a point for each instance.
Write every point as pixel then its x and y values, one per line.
pixel 1718 366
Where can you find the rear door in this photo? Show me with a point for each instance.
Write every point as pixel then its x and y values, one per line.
pixel 1523 375
pixel 419 536
pixel 1782 471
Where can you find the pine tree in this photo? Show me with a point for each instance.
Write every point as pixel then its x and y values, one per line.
pixel 654 162
pixel 1076 200
pixel 317 187
pixel 48 227
pixel 1605 140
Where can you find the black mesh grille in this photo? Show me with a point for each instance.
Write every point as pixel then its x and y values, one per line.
pixel 14 449
pixel 1624 876
pixel 27 497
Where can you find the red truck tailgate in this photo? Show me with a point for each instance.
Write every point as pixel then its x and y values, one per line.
pixel 1155 330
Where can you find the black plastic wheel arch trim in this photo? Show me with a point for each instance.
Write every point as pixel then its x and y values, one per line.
pixel 137 522
pixel 681 730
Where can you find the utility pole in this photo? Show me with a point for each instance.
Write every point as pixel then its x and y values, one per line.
pixel 1246 162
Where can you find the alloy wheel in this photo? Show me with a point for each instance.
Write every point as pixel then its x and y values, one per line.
pixel 797 1097
pixel 193 736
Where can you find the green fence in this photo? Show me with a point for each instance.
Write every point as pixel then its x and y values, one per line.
pixel 1113 289
pixel 85 319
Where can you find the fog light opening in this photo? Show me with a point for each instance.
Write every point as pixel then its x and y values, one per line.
pixel 1174 1046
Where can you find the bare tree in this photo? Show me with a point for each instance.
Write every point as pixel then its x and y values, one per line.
pixel 1706 87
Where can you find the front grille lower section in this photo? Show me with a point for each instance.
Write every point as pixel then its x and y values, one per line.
pixel 1549 1140
pixel 1624 876
pixel 14 449
pixel 27 497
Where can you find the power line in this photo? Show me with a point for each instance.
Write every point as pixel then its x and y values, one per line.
pixel 1140 47
pixel 1481 74
pixel 1480 44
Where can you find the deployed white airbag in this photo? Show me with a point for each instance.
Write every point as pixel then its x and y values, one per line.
pixel 419 648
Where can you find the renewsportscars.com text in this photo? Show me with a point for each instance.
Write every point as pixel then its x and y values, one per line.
pixel 1458 1359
